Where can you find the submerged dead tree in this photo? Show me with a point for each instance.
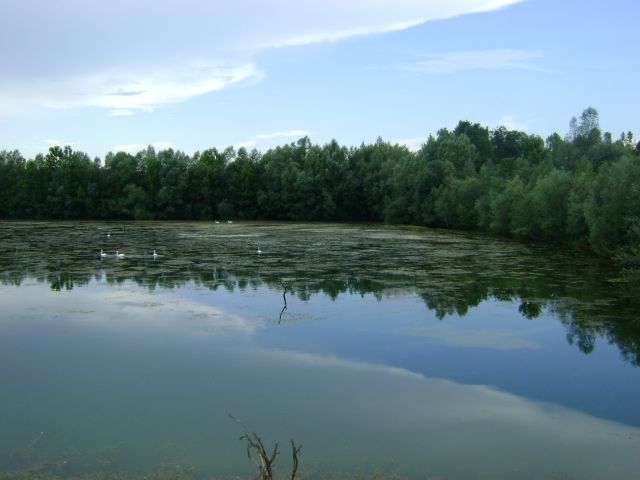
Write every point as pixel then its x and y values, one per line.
pixel 259 456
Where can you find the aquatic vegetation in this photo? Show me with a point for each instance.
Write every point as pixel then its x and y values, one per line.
pixel 452 272
pixel 327 311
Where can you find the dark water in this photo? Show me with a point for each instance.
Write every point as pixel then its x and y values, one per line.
pixel 404 350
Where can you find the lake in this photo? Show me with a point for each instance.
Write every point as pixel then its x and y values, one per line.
pixel 404 351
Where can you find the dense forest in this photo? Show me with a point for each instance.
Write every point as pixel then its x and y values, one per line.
pixel 583 189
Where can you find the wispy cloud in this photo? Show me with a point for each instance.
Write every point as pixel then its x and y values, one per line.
pixel 262 137
pixel 50 142
pixel 155 60
pixel 124 93
pixel 122 112
pixel 513 123
pixel 497 59
pixel 413 144
pixel 285 134
pixel 134 148
pixel 334 20
pixel 246 144
pixel 152 91
pixel 341 34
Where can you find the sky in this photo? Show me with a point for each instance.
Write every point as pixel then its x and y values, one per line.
pixel 193 74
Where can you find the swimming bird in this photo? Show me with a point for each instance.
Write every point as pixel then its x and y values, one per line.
pixel 108 234
pixel 259 251
pixel 119 255
pixel 154 254
pixel 102 254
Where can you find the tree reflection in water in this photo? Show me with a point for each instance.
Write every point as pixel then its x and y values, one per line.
pixel 451 272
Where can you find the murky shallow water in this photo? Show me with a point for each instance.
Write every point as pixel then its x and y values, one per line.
pixel 406 350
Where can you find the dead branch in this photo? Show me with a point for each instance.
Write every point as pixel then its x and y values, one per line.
pixel 296 459
pixel 284 293
pixel 284 297
pixel 264 461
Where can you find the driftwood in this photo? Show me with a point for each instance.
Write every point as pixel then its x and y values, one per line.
pixel 257 454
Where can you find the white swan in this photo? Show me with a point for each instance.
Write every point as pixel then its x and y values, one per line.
pixel 154 254
pixel 259 251
pixel 102 254
pixel 108 234
pixel 119 255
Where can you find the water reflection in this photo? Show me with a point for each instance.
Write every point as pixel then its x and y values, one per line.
pixel 451 272
pixel 136 403
pixel 135 363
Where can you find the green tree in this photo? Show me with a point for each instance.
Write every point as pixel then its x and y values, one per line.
pixel 549 200
pixel 12 178
pixel 613 210
pixel 506 203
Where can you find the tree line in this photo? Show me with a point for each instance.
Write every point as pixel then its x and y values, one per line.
pixel 582 189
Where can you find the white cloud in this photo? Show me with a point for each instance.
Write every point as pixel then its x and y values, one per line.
pixel 52 142
pixel 413 144
pixel 146 93
pixel 513 123
pixel 266 137
pixel 122 112
pixel 123 93
pixel 287 134
pixel 246 144
pixel 333 20
pixel 336 35
pixel 498 59
pixel 134 148
pixel 165 52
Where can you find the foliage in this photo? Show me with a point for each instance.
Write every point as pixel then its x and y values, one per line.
pixel 582 189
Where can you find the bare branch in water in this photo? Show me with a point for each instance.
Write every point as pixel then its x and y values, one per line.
pixel 284 293
pixel 296 459
pixel 284 297
pixel 264 461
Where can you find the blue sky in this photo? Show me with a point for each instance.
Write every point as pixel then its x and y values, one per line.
pixel 190 74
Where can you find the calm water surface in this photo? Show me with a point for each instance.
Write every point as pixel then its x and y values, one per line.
pixel 405 350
